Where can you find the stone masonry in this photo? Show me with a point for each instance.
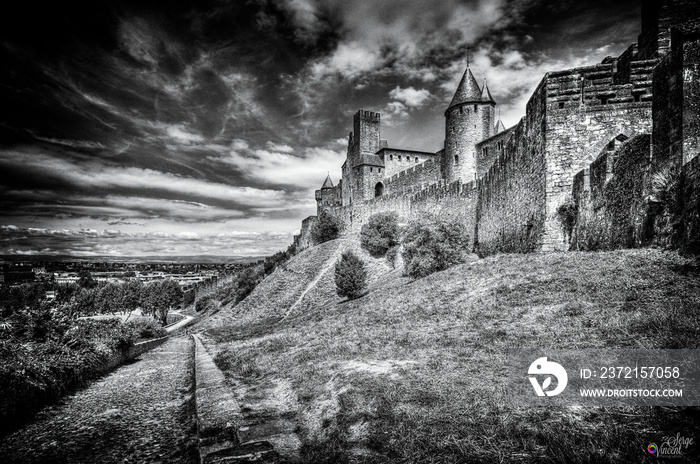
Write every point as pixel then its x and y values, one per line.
pixel 507 185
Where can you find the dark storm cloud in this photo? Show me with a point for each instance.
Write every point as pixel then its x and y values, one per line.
pixel 221 117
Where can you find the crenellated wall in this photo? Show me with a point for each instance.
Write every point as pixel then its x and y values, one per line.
pixel 415 177
pixel 439 199
pixel 510 212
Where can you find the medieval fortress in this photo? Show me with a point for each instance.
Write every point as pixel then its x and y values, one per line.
pixel 592 137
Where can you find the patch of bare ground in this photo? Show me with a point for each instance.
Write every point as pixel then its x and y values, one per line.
pixel 414 371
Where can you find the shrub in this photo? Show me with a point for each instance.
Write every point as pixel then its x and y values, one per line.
pixel 567 213
pixel 350 276
pixel 247 281
pixel 591 232
pixel 145 327
pixel 33 374
pixel 392 255
pixel 573 308
pixel 327 227
pixel 434 244
pixel 380 233
pixel 205 303
pixel 666 187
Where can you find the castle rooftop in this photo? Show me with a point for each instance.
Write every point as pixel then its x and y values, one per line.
pixel 328 183
pixel 468 90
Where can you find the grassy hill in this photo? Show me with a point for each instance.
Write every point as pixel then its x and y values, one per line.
pixel 397 375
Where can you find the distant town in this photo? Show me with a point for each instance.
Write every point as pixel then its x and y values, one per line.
pixel 188 275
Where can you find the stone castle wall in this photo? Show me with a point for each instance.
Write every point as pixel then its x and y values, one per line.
pixel 511 205
pixel 611 210
pixel 456 200
pixel 414 178
pixel 396 161
pixel 585 109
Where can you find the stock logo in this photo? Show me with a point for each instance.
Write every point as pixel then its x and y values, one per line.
pixel 652 448
pixel 551 369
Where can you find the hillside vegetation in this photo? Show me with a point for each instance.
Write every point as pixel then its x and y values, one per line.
pixel 399 374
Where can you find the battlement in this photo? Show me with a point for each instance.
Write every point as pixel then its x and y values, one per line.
pixel 369 116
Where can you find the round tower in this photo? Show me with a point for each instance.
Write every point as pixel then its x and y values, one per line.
pixel 469 119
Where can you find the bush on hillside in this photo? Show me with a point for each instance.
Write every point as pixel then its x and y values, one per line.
pixel 567 213
pixel 392 255
pixel 247 281
pixel 434 244
pixel 380 233
pixel 327 227
pixel 206 303
pixel 350 276
pixel 666 188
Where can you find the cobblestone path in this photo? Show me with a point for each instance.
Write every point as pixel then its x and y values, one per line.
pixel 142 412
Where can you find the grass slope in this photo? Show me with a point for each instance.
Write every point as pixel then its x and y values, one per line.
pixel 397 375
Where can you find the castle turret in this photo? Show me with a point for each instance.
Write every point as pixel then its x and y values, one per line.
pixel 362 169
pixel 468 120
pixel 328 195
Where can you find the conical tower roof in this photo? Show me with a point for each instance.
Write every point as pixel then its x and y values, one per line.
pixel 468 90
pixel 328 183
pixel 485 94
pixel 499 127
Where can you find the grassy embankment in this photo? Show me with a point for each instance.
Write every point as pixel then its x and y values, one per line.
pixel 399 375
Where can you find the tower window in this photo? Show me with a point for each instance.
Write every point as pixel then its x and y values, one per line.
pixel 399 157
pixel 561 105
pixel 475 108
pixel 485 151
pixel 391 157
pixel 371 169
pixel 461 109
pixel 456 160
pixel 416 159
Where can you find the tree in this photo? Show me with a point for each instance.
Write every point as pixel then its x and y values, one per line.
pixel 85 279
pixel 84 302
pixel 380 233
pixel 350 276
pixel 131 295
pixel 108 298
pixel 171 297
pixel 434 244
pixel 327 227
pixel 160 297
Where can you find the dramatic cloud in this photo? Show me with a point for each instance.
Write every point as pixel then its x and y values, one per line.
pixel 410 96
pixel 200 127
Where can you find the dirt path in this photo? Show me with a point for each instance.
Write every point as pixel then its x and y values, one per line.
pixel 141 413
pixel 326 267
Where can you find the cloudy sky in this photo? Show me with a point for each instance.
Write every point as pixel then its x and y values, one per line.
pixel 204 126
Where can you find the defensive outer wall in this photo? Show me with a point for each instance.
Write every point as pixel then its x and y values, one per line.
pixel 609 127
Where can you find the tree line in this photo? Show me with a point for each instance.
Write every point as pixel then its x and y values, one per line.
pixel 88 298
